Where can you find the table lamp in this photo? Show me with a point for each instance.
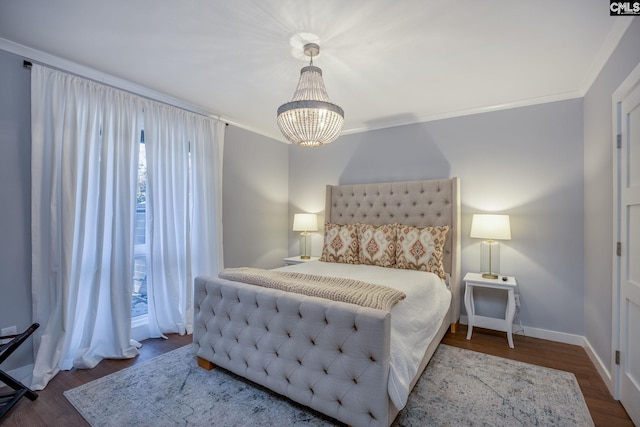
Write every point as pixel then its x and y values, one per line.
pixel 305 223
pixel 490 227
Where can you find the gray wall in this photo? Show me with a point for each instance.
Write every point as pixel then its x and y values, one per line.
pixel 255 194
pixel 598 183
pixel 15 197
pixel 525 162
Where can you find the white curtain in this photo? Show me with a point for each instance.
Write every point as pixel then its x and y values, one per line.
pixel 85 140
pixel 184 211
pixel 85 144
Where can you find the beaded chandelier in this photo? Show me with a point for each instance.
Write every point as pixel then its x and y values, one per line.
pixel 310 119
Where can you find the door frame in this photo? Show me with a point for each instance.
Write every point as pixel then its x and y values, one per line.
pixel 628 85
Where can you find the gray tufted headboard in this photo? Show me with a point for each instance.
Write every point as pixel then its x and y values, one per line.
pixel 415 203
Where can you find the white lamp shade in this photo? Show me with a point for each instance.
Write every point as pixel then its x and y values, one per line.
pixel 490 226
pixel 305 222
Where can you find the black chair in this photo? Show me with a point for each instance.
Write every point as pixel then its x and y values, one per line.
pixel 9 399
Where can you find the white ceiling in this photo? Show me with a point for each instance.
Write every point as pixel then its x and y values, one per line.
pixel 385 62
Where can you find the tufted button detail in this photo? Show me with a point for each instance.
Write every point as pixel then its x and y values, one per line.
pixel 340 349
pixel 312 342
pixel 355 327
pixel 325 371
pixel 372 359
pixel 355 380
pixel 339 402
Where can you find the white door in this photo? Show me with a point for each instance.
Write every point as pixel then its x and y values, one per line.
pixel 629 237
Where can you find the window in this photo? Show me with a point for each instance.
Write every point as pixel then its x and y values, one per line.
pixel 139 293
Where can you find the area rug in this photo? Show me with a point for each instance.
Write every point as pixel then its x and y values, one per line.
pixel 458 388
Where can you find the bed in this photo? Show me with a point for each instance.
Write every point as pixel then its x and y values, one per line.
pixel 332 356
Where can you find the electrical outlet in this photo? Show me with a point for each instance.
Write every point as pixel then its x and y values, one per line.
pixel 11 330
pixel 517 299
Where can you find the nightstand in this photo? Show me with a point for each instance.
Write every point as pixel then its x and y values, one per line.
pixel 475 280
pixel 297 260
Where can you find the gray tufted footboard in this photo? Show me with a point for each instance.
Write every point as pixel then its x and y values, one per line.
pixel 330 356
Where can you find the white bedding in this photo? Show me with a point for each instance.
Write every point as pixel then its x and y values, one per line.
pixel 414 320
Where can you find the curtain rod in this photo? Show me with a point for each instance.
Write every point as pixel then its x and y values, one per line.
pixel 28 64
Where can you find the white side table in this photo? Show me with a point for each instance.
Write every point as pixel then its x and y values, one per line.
pixel 297 260
pixel 475 280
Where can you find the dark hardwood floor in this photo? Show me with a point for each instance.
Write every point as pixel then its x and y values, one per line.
pixel 52 408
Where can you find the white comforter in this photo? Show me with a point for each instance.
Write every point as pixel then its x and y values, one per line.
pixel 414 320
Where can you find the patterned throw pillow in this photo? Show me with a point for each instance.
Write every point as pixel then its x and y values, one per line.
pixel 340 243
pixel 377 244
pixel 421 248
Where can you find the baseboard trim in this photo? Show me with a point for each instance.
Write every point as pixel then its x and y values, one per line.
pixel 602 369
pixel 544 334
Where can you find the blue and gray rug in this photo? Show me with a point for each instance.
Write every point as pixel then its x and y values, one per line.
pixel 458 388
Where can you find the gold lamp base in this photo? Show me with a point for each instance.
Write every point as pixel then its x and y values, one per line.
pixel 489 276
pixel 308 257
